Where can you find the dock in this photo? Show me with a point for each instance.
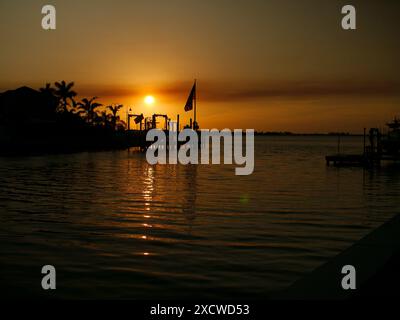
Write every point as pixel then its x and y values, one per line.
pixel 381 148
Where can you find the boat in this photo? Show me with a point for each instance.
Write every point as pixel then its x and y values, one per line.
pixel 381 147
pixel 391 141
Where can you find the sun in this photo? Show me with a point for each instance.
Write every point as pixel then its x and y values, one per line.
pixel 149 100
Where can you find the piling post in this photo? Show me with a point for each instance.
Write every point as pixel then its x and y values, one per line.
pixel 127 120
pixel 365 136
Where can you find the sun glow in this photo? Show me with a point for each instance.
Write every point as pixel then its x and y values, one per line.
pixel 149 100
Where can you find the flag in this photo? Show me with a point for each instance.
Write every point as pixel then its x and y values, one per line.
pixel 139 119
pixel 192 97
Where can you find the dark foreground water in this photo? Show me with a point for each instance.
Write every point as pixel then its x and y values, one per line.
pixel 116 227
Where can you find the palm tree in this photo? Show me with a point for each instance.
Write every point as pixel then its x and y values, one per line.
pixel 64 93
pixel 48 89
pixel 102 119
pixel 88 108
pixel 74 107
pixel 114 111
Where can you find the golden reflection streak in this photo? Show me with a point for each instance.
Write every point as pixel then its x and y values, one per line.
pixel 148 192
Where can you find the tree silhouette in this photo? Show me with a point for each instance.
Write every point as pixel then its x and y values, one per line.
pixel 65 94
pixel 63 97
pixel 88 107
pixel 114 114
pixel 48 89
pixel 103 119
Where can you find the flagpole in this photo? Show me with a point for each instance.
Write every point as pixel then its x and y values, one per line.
pixel 195 102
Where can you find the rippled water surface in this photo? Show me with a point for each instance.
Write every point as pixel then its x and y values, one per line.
pixel 116 227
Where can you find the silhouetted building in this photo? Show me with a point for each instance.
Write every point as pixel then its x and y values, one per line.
pixel 26 106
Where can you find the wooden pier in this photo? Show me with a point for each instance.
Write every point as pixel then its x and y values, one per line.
pixel 380 148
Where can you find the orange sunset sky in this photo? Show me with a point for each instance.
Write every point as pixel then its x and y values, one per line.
pixel 269 65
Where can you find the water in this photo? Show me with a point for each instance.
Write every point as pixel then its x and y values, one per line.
pixel 116 227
